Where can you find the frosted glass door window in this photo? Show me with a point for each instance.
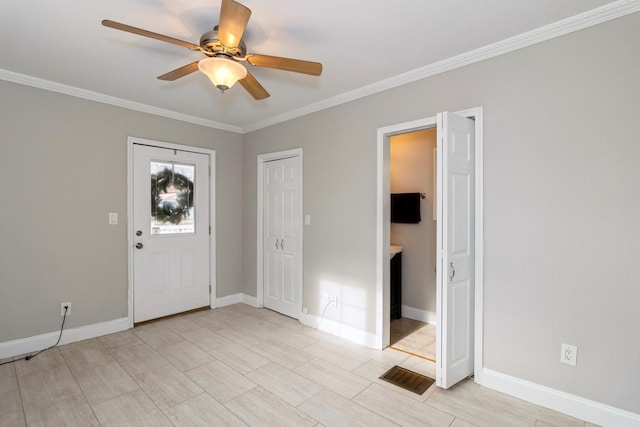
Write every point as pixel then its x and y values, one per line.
pixel 172 196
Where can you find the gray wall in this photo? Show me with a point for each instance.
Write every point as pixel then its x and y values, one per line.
pixel 561 204
pixel 63 164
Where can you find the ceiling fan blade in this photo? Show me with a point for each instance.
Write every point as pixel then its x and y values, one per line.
pixel 286 64
pixel 180 72
pixel 254 88
pixel 141 32
pixel 233 21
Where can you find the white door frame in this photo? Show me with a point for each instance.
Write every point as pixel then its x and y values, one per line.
pixel 131 140
pixel 262 159
pixel 383 238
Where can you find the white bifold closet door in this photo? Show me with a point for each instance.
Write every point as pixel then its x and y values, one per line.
pixel 282 228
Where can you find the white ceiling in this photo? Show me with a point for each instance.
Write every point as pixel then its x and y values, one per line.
pixel 364 45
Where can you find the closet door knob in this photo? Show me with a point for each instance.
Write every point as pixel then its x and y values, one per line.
pixel 453 272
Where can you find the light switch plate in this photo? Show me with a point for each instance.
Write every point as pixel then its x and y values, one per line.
pixel 113 218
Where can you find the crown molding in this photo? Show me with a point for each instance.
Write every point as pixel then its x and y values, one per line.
pixel 26 80
pixel 575 23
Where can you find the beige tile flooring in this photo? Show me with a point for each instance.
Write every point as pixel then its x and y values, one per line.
pixel 413 336
pixel 238 366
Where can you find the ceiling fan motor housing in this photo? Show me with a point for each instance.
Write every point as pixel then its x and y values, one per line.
pixel 211 46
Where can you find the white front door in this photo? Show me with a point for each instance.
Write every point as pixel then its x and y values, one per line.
pixel 171 231
pixel 282 228
pixel 456 234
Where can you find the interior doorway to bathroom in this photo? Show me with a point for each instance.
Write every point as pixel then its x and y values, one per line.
pixel 413 236
pixel 459 263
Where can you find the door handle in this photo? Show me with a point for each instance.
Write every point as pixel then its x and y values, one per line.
pixel 139 245
pixel 282 244
pixel 453 272
pixel 276 244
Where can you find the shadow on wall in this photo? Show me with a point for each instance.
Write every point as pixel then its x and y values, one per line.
pixel 343 303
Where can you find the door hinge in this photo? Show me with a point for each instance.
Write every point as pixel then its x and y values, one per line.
pixel 209 287
pixel 209 170
pixel 209 229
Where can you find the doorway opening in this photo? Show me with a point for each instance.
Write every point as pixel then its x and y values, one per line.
pixel 449 351
pixel 413 241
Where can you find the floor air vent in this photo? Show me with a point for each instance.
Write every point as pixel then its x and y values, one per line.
pixel 407 379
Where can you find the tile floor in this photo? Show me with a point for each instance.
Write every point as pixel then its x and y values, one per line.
pixel 413 336
pixel 237 366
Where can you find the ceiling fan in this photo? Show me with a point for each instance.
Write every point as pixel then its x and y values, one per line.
pixel 225 51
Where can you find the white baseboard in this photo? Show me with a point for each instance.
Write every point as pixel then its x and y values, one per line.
pixel 249 300
pixel 566 403
pixel 38 342
pixel 341 330
pixel 418 314
pixel 326 325
pixel 236 299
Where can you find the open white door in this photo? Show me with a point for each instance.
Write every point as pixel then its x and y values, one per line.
pixel 455 240
pixel 171 231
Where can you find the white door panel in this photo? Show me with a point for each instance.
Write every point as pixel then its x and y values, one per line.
pixel 455 276
pixel 171 231
pixel 282 224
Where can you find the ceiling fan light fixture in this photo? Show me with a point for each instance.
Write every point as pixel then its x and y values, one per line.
pixel 222 72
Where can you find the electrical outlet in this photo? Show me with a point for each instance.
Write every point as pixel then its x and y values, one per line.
pixel 63 305
pixel 333 300
pixel 568 354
